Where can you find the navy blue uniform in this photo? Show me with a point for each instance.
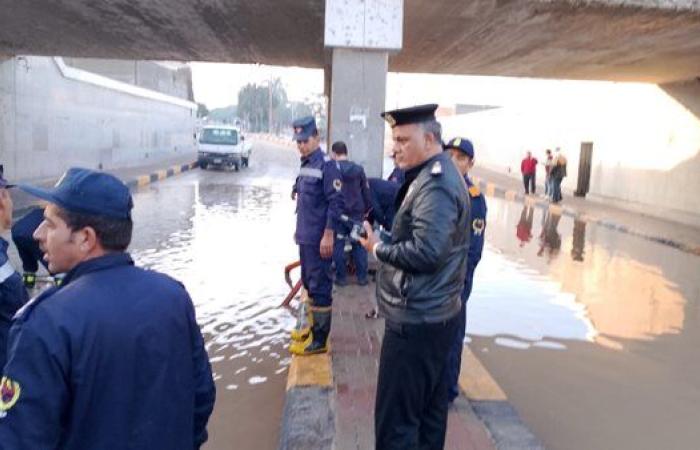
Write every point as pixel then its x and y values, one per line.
pixel 319 205
pixel 112 359
pixel 477 223
pixel 23 237
pixel 357 203
pixel 13 296
pixel 397 176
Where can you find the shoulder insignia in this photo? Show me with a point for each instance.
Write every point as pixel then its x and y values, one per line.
pixel 478 226
pixel 474 191
pixel 337 184
pixel 9 394
pixel 436 169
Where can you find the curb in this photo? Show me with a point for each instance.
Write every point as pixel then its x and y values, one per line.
pixel 158 175
pixel 308 418
pixel 133 184
pixel 493 190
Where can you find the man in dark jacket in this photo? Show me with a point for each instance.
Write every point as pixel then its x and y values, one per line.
pixel 357 204
pixel 421 276
pixel 13 295
pixel 113 358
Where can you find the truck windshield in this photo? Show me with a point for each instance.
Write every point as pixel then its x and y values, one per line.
pixel 219 136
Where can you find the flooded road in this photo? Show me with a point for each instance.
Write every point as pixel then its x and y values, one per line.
pixel 227 236
pixel 592 334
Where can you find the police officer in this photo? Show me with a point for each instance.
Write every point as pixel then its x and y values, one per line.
pixel 319 199
pixel 462 152
pixel 357 204
pixel 13 295
pixel 27 246
pixel 113 358
pixel 420 279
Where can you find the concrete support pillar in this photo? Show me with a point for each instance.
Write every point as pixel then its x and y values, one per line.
pixel 360 34
pixel 357 96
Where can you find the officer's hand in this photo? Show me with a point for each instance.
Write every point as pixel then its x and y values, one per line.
pixel 327 244
pixel 294 195
pixel 368 243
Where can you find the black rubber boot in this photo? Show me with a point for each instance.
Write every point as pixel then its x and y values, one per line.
pixel 317 341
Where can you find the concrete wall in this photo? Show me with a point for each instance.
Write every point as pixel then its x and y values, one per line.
pixel 646 145
pixel 53 117
pixel 175 81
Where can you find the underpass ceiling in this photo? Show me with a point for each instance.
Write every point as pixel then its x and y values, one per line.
pixel 534 38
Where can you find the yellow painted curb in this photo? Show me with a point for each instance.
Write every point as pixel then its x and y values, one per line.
pixel 162 174
pixel 143 180
pixel 313 370
pixel 176 170
pixel 475 381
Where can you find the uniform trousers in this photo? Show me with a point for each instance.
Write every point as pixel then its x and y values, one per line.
pixel 454 359
pixel 316 274
pixel 411 406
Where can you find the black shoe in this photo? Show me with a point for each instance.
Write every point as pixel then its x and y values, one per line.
pixel 341 283
pixel 363 282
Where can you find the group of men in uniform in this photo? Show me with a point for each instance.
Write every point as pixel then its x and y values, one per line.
pixel 431 243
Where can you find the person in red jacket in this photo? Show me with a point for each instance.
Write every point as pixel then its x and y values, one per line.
pixel 528 167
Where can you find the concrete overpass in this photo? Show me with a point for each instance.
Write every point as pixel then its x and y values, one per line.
pixel 628 40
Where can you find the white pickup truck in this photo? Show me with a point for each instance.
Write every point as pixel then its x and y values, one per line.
pixel 222 146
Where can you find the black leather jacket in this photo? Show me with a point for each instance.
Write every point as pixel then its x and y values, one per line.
pixel 422 270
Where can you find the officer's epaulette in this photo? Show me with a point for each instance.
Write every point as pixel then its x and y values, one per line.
pixel 28 307
pixel 474 191
pixel 436 170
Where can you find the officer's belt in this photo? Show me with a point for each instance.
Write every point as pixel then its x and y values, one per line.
pixel 311 172
pixel 6 271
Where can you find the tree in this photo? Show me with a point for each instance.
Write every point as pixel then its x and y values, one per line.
pixel 202 110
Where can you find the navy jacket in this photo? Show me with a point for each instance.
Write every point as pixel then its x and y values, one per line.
pixel 355 189
pixel 477 224
pixel 13 296
pixel 319 197
pixel 112 359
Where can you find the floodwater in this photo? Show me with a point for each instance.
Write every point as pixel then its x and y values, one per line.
pixel 227 236
pixel 593 334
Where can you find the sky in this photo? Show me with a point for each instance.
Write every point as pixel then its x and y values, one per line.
pixel 217 85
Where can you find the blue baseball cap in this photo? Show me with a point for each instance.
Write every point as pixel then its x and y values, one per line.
pixel 304 128
pixel 461 144
pixel 87 191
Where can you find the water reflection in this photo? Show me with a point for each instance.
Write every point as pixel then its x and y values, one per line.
pixel 523 231
pixel 229 248
pixel 624 288
pixel 579 240
pixel 550 239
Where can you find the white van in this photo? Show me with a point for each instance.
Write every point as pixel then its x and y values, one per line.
pixel 222 146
